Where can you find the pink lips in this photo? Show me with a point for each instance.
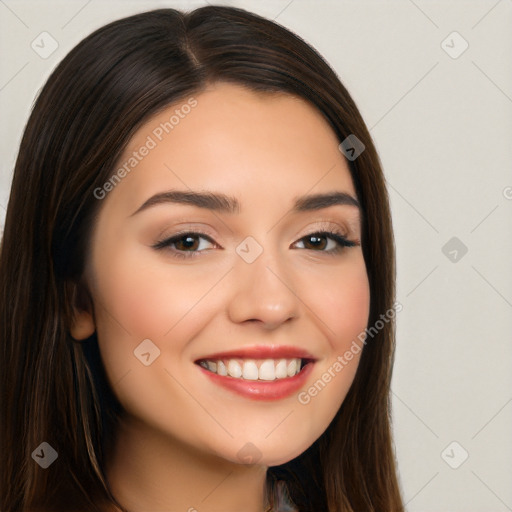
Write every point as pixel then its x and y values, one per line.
pixel 261 352
pixel 256 389
pixel 261 390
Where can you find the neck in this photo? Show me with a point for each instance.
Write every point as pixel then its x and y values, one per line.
pixel 149 470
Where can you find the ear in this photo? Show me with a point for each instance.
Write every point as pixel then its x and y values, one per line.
pixel 82 324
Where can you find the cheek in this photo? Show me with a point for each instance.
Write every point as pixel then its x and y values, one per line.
pixel 341 299
pixel 139 298
pixel 341 302
pixel 149 300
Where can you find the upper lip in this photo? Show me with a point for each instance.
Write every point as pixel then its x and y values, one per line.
pixel 261 352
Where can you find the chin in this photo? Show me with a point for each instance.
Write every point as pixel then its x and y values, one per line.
pixel 267 454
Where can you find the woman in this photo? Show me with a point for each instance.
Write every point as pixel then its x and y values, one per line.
pixel 197 242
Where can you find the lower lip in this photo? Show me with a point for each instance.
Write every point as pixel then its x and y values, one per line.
pixel 262 390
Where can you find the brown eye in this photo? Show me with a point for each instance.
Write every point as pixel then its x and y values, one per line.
pixel 315 242
pixel 326 241
pixel 186 244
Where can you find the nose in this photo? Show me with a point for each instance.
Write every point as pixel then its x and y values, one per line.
pixel 263 294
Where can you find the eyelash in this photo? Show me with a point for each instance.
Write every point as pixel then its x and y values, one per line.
pixel 339 238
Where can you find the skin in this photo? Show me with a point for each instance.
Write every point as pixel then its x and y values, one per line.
pixel 177 448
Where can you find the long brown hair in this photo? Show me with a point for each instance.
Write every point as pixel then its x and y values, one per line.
pixel 54 389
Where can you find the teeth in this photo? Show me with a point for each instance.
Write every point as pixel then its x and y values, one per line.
pixel 250 369
pixel 267 370
pixel 281 371
pixel 234 369
pixel 221 368
pixel 292 367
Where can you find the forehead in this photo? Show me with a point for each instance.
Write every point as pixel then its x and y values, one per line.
pixel 256 146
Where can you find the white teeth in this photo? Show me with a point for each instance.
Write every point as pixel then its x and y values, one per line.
pixel 234 369
pixel 281 371
pixel 292 367
pixel 250 369
pixel 267 370
pixel 221 368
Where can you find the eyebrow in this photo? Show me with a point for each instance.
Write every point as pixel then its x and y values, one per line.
pixel 228 204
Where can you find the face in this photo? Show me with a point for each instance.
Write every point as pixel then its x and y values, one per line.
pixel 261 279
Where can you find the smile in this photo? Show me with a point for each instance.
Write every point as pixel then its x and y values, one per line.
pixel 259 372
pixel 255 369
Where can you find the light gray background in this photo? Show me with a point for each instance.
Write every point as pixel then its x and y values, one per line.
pixel 442 126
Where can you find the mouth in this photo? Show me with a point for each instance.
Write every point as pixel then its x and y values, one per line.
pixel 255 369
pixel 259 373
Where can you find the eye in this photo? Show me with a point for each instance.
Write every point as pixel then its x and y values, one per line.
pixel 326 241
pixel 186 245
